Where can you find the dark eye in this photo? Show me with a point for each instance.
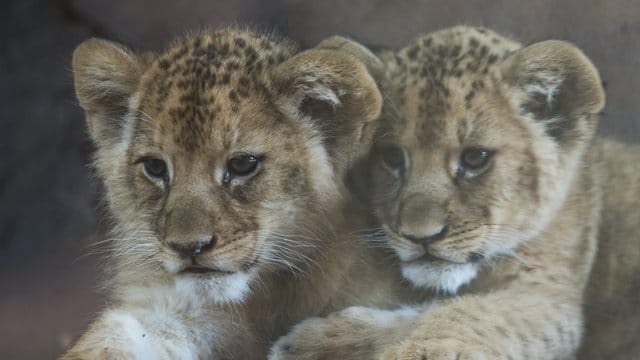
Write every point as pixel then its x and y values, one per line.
pixel 155 168
pixel 393 157
pixel 474 158
pixel 242 165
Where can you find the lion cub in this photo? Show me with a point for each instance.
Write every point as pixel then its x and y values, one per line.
pixel 490 188
pixel 223 158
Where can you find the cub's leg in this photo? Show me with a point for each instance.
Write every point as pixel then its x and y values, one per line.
pixel 354 333
pixel 126 334
pixel 509 324
pixel 164 325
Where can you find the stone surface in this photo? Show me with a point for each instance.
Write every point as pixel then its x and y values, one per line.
pixel 48 216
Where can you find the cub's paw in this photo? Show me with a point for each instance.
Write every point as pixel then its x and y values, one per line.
pixel 448 349
pixel 339 336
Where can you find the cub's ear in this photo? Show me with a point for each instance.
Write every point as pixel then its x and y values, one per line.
pixel 331 87
pixel 346 45
pixel 105 76
pixel 557 85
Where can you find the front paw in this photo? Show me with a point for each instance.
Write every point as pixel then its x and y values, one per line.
pixel 335 337
pixel 448 349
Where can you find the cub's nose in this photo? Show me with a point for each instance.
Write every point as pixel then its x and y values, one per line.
pixel 193 248
pixel 422 220
pixel 426 240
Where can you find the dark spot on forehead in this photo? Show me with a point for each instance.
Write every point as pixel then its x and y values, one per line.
pixel 462 129
pixel 239 42
pixel 178 55
pixel 196 68
pixel 468 98
pixel 231 66
pixel 434 60
pixel 197 41
pixel 477 84
pixel 431 130
pixel 265 44
pixel 164 64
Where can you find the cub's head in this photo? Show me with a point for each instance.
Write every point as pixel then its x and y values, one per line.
pixel 216 151
pixel 477 149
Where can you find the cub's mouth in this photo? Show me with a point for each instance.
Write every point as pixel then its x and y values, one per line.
pixel 208 281
pixel 428 257
pixel 203 270
pixel 472 258
pixel 411 252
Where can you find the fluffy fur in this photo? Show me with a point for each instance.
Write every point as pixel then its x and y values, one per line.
pixel 512 242
pixel 208 263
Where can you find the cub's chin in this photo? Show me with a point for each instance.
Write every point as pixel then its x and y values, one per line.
pixel 220 287
pixel 425 270
pixel 440 275
pixel 207 282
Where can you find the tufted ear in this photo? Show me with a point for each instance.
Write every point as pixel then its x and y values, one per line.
pixel 105 76
pixel 332 88
pixel 351 47
pixel 558 86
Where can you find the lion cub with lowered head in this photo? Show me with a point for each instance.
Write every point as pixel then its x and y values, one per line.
pixel 223 158
pixel 489 186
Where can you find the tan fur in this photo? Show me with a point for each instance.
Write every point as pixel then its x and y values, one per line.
pixel 279 242
pixel 513 243
pixel 612 299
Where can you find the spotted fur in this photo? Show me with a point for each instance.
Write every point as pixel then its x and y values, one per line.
pixel 211 264
pixel 510 244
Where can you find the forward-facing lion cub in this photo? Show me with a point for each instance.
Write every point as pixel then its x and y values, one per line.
pixel 223 158
pixel 489 186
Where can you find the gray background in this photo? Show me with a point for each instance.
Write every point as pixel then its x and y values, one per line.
pixel 49 205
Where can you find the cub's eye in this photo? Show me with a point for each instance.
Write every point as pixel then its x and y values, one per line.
pixel 393 157
pixel 155 168
pixel 474 158
pixel 242 165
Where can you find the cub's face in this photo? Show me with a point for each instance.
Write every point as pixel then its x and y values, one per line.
pixel 219 185
pixel 477 155
pixel 214 153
